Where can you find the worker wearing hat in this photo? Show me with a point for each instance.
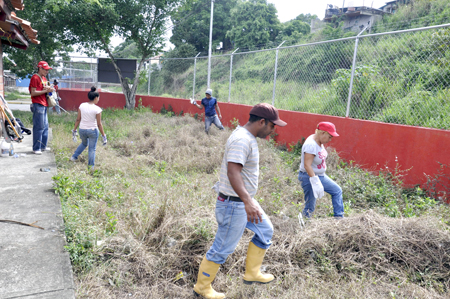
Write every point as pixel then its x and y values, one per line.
pixel 236 208
pixel 38 88
pixel 211 106
pixel 57 107
pixel 312 171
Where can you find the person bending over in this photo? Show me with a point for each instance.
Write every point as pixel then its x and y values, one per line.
pixel 312 171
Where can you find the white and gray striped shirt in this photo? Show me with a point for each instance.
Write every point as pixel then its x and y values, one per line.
pixel 241 148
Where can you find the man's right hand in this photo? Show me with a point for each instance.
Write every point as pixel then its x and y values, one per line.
pixel 48 89
pixel 253 213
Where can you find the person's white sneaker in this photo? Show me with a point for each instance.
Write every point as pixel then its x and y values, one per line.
pixel 38 152
pixel 45 149
pixel 73 159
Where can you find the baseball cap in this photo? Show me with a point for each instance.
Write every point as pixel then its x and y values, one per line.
pixel 209 91
pixel 327 127
pixel 44 65
pixel 268 112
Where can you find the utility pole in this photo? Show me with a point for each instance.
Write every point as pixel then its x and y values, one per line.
pixel 210 44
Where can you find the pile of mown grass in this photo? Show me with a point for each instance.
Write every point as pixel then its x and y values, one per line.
pixel 140 224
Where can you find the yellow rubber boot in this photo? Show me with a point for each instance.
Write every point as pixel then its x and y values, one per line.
pixel 206 275
pixel 255 256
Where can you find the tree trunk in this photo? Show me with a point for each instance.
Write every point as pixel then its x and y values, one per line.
pixel 129 93
pixel 130 98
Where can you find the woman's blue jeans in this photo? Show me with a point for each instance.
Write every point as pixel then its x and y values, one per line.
pixel 329 186
pixel 232 220
pixel 88 138
pixel 40 127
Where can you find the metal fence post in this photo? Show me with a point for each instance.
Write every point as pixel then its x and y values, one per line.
pixel 210 43
pixel 149 75
pixel 231 72
pixel 275 74
pixel 96 73
pixel 350 89
pixel 195 69
pixel 70 75
pixel 92 73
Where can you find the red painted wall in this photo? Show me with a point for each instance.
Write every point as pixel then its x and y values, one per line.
pixel 373 145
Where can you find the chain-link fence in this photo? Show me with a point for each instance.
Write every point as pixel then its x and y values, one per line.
pixel 397 77
pixel 81 74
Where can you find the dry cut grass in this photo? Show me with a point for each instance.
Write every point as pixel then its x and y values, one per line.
pixel 139 225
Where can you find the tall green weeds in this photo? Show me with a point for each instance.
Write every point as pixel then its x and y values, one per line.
pixel 143 220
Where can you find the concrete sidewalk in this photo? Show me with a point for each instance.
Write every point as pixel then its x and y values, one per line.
pixel 33 263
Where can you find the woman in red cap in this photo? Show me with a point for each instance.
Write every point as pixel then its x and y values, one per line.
pixel 312 171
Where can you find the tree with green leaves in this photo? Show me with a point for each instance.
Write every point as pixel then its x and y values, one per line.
pixel 126 49
pixel 192 22
pixel 177 66
pixel 293 31
pixel 306 18
pixel 254 23
pixel 92 23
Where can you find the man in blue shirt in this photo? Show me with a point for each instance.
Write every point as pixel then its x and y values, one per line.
pixel 210 104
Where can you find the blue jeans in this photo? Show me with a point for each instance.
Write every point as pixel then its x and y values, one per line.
pixel 329 186
pixel 232 220
pixel 57 109
pixel 40 127
pixel 88 137
pixel 212 120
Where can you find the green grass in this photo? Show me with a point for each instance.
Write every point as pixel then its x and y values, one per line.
pixel 147 213
pixel 16 95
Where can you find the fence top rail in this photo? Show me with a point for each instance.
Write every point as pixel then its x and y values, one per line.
pixel 75 62
pixel 80 70
pixel 406 30
pixel 321 42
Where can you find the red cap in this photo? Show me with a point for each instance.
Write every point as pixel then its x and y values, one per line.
pixel 268 112
pixel 44 65
pixel 327 127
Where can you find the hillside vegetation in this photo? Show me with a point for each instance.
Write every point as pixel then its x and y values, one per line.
pixel 400 78
pixel 139 225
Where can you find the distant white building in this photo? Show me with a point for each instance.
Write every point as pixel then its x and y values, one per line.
pixel 355 18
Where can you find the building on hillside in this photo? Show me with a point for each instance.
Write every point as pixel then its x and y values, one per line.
pixel 355 18
pixel 156 60
pixel 392 6
pixel 14 31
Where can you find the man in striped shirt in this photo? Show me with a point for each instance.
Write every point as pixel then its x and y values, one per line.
pixel 236 208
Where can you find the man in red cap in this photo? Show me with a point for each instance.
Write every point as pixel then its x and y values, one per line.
pixel 236 207
pixel 39 87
